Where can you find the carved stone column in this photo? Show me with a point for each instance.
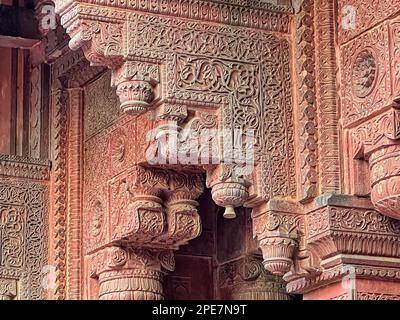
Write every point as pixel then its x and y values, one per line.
pixel 131 274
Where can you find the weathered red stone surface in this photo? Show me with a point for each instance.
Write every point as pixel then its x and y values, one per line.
pixel 109 184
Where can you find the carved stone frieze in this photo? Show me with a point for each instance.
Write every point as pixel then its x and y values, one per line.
pixel 23 167
pixel 335 230
pixel 356 16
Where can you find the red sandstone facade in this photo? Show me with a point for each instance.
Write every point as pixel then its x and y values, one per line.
pixel 84 214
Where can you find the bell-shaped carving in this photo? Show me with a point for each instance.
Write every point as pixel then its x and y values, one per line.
pixel 230 195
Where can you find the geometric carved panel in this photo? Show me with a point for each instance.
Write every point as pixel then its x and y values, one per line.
pixel 23 236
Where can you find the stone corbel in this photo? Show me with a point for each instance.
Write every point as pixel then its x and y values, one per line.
pixel 136 84
pixel 152 213
pixel 277 226
pixel 102 40
pixel 137 210
pixel 378 142
pixel 183 219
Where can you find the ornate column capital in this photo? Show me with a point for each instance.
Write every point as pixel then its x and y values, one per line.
pixel 278 226
pixel 126 273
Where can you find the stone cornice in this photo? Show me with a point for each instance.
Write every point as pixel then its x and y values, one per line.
pixel 256 14
pixel 335 274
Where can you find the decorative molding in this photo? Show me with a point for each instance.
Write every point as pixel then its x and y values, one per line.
pixel 262 15
pixel 326 84
pixel 335 274
pixel 306 99
pixel 59 187
pixel 74 201
pixel 24 167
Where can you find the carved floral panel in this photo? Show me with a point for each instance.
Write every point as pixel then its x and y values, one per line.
pixel 366 82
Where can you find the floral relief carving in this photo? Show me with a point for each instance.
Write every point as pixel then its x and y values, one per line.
pixel 395 50
pixel 365 71
pixel 367 14
pixel 349 230
pixel 365 63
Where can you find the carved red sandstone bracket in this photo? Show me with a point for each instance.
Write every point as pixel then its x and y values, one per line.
pixel 152 212
pixel 278 226
pixel 378 142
